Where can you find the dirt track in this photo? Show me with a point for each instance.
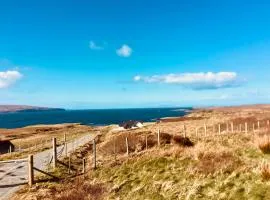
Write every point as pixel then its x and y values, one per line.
pixel 13 175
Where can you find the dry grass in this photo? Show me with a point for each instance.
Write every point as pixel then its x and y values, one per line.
pixel 34 139
pixel 212 162
pixel 217 167
pixel 264 144
pixel 265 170
pixel 137 142
pixel 80 190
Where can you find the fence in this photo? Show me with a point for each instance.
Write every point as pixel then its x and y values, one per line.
pixel 51 157
pixel 21 171
pixel 36 146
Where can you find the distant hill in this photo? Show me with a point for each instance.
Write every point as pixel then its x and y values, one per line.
pixel 23 108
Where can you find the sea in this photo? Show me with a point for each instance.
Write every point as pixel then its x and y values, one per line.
pixel 88 117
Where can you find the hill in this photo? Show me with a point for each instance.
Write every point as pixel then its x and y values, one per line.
pixel 24 108
pixel 228 160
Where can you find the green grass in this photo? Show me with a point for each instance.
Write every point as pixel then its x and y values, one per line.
pixel 173 178
pixel 214 169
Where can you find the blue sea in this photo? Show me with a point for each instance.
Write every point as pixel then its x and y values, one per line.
pixel 87 117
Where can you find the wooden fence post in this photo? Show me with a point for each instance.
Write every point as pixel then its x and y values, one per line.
pixel 94 155
pixel 268 123
pixel 127 146
pixel 158 137
pixel 246 128
pixel 66 152
pixel 10 149
pixel 253 128
pixel 146 142
pixel 185 131
pixel 54 152
pixel 69 164
pixel 219 129
pixel 30 170
pixel 65 138
pixel 205 130
pixel 258 125
pixel 232 127
pixel 114 148
pixel 227 126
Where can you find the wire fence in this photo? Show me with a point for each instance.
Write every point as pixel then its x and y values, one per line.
pixel 14 172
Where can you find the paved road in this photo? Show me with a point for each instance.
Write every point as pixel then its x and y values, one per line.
pixel 13 175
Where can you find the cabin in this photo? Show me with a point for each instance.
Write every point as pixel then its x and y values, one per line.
pixel 131 124
pixel 5 146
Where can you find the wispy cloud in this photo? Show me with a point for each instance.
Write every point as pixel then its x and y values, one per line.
pixel 94 46
pixel 196 81
pixel 124 51
pixel 8 78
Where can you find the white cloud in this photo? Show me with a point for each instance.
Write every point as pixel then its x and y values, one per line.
pixel 94 46
pixel 7 78
pixel 137 78
pixel 196 81
pixel 124 51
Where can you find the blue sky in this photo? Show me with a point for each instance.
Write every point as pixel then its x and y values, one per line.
pixel 107 54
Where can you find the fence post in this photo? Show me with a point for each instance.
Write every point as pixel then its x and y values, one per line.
pixel 219 129
pixel 267 122
pixel 158 137
pixel 185 131
pixel 227 126
pixel 114 148
pixel 65 138
pixel 94 155
pixel 10 149
pixel 66 149
pixel 83 166
pixel 258 125
pixel 127 146
pixel 232 127
pixel 30 170
pixel 205 130
pixel 146 142
pixel 253 128
pixel 246 128
pixel 54 152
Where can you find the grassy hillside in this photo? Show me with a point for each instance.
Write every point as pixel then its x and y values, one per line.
pixel 225 166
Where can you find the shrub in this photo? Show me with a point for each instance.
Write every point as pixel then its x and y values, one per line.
pixel 211 162
pixel 264 144
pixel 265 171
pixel 81 191
pixel 183 141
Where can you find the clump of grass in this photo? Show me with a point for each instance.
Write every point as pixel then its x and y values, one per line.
pixel 264 144
pixel 211 162
pixel 183 141
pixel 265 171
pixel 80 190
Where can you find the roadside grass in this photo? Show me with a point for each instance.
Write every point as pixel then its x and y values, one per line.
pixel 34 144
pixel 215 168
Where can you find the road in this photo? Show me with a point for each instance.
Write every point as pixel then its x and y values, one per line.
pixel 13 175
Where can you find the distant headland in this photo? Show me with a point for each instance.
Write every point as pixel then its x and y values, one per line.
pixel 24 108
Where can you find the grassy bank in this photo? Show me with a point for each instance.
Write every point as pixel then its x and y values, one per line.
pixel 225 166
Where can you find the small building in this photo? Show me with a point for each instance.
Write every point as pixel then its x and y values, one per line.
pixel 131 124
pixel 6 146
